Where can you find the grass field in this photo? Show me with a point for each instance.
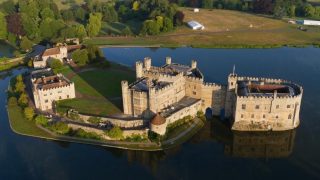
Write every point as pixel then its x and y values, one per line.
pixel 98 90
pixel 225 28
pixel 21 125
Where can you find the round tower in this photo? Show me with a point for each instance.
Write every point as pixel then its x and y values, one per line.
pixel 158 124
pixel 193 64
pixel 168 60
pixel 139 69
pixel 147 63
pixel 125 97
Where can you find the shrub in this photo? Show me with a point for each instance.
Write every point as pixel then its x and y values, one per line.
pixel 12 101
pixel 60 128
pixel 55 65
pixel 115 133
pixel 23 100
pixel 29 113
pixel 94 120
pixel 84 134
pixel 41 120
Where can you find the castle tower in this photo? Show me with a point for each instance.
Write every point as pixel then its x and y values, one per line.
pixel 168 60
pixel 147 63
pixel 231 95
pixel 193 64
pixel 139 69
pixel 125 97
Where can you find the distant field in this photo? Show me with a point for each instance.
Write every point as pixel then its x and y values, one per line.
pixel 224 28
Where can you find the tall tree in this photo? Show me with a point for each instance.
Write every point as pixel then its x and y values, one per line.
pixel 3 26
pixel 94 25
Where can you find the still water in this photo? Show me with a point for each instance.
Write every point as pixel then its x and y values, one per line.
pixel 214 153
pixel 5 49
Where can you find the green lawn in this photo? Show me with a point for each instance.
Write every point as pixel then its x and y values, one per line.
pixel 22 126
pixel 98 89
pixel 88 106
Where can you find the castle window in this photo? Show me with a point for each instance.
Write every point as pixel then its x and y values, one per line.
pixel 257 107
pixel 231 84
pixel 277 106
pixel 264 116
pixel 46 101
pixel 290 116
pixel 45 95
pixel 67 96
pixel 252 115
pixel 277 117
pixel 194 87
pixel 59 91
pixel 288 106
pixel 243 106
pixel 241 115
pixel 60 97
pixel 194 93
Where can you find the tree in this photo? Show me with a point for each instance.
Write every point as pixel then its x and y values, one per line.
pixel 19 78
pixel 19 86
pixel 14 24
pixel 55 65
pixel 279 12
pixel 80 57
pixel 292 11
pixel 109 13
pixel 8 7
pixel 80 31
pixel 263 6
pixel 115 133
pixel 23 100
pixel 12 101
pixel 46 13
pixel 29 113
pixel 150 27
pixel 30 26
pixel 67 15
pixel 167 25
pixel 94 53
pixel 3 27
pixel 94 25
pixel 41 120
pixel 80 14
pixel 135 6
pixel 309 10
pixel 178 18
pixel 159 20
pixel 126 31
pixel 26 44
pixel 208 4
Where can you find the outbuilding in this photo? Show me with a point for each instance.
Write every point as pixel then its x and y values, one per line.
pixel 195 25
pixel 309 22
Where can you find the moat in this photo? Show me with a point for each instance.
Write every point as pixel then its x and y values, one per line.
pixel 213 152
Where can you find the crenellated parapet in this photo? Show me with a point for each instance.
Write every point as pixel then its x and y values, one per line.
pixel 261 79
pixel 194 79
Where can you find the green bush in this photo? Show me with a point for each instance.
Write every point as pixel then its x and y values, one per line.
pixel 12 101
pixel 84 134
pixel 23 100
pixel 136 138
pixel 94 120
pixel 115 133
pixel 41 120
pixel 29 113
pixel 55 65
pixel 59 127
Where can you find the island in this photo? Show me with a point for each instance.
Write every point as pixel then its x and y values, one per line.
pixel 158 107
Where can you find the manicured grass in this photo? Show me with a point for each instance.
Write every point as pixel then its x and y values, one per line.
pixel 223 29
pixel 21 125
pixel 102 82
pixel 98 89
pixel 112 28
pixel 89 106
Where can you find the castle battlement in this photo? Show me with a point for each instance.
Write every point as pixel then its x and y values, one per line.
pixel 212 85
pixel 194 79
pixel 261 79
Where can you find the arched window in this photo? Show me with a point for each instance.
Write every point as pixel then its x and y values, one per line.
pixel 290 116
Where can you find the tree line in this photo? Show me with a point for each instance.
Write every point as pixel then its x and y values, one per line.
pixel 25 22
pixel 277 8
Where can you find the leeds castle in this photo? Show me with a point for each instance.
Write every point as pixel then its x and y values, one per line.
pixel 168 93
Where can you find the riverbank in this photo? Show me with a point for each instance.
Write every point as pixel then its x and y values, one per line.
pixel 10 63
pixel 20 125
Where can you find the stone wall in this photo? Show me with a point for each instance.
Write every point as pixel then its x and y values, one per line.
pixel 122 123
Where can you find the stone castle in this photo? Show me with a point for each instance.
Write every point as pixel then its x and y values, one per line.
pixel 48 88
pixel 169 93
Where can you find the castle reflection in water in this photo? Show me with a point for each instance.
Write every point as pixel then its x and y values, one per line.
pixel 271 144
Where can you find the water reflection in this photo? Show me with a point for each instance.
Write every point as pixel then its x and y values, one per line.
pixel 261 144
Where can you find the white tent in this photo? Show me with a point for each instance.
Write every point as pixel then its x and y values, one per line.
pixel 195 25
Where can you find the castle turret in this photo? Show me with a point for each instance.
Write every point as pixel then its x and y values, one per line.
pixel 147 63
pixel 168 60
pixel 231 94
pixel 193 64
pixel 139 69
pixel 125 97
